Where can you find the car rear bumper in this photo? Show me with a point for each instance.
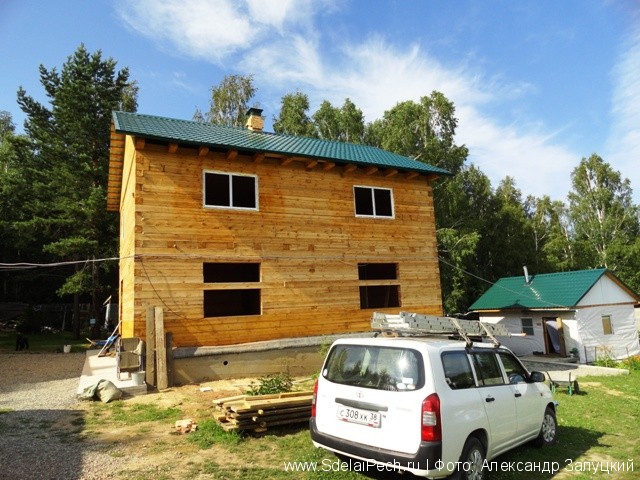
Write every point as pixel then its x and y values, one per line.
pixel 424 459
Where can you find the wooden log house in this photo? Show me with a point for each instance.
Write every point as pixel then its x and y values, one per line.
pixel 241 235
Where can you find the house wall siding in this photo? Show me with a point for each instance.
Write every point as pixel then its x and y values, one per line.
pixel 305 236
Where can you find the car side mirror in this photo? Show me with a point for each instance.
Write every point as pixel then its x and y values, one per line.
pixel 536 377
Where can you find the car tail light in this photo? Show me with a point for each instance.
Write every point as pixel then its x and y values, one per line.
pixel 431 427
pixel 313 400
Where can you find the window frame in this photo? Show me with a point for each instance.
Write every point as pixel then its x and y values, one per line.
pixel 525 328
pixel 607 324
pixel 230 176
pixel 373 201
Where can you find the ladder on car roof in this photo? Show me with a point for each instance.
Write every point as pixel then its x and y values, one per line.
pixel 416 324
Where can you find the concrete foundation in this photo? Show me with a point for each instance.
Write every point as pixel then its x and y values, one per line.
pixel 295 356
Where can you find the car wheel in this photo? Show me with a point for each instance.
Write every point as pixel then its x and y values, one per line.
pixel 549 430
pixel 471 461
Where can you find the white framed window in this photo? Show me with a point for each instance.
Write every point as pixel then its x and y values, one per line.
pixel 607 326
pixel 373 202
pixel 527 326
pixel 229 190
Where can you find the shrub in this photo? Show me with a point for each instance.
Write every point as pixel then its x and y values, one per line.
pixel 274 383
pixel 632 363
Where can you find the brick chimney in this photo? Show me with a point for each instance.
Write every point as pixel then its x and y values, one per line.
pixel 255 121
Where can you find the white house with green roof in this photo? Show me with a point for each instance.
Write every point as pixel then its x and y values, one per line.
pixel 591 311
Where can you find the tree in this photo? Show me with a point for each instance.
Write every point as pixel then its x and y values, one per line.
pixel 293 118
pixel 68 167
pixel 327 121
pixel 552 235
pixel 605 220
pixel 230 101
pixel 470 202
pixel 424 131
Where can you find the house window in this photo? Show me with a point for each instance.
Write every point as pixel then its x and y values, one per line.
pixel 226 190
pixel 527 326
pixel 378 286
pixel 240 295
pixel 373 202
pixel 607 327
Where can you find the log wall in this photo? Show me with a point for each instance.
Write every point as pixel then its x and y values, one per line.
pixel 305 236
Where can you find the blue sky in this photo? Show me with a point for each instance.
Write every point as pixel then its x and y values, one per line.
pixel 537 84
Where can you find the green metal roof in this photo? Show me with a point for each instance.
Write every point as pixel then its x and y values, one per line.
pixel 217 136
pixel 550 290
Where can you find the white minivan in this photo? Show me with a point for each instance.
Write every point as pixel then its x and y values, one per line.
pixel 433 407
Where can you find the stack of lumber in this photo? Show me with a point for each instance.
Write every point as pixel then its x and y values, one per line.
pixel 260 412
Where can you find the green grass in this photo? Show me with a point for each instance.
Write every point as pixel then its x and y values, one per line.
pixel 209 433
pixel 599 426
pixel 141 413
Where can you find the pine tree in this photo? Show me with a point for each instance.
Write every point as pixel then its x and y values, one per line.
pixel 69 140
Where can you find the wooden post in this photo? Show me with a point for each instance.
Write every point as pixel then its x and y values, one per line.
pixel 150 363
pixel 161 351
pixel 169 339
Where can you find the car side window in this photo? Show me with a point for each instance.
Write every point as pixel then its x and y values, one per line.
pixel 515 371
pixel 457 370
pixel 487 369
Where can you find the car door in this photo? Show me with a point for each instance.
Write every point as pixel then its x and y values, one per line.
pixel 527 396
pixel 498 399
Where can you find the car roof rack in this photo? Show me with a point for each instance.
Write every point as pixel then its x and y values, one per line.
pixel 416 324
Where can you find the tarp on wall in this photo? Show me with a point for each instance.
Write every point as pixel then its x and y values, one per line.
pixel 594 343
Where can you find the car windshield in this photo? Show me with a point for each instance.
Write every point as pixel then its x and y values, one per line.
pixel 382 368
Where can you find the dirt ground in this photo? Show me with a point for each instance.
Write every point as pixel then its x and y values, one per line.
pixel 46 433
pixel 157 448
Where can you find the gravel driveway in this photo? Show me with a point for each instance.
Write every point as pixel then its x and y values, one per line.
pixel 37 406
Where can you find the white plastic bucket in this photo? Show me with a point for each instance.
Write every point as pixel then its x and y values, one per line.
pixel 138 378
pixel 66 348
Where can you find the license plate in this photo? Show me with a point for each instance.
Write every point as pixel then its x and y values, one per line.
pixel 356 415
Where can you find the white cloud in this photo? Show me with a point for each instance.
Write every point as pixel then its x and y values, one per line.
pixel 278 43
pixel 623 144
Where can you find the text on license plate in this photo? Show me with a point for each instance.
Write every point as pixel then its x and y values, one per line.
pixel 355 415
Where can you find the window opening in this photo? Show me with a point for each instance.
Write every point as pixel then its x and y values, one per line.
pixel 229 303
pixel 230 190
pixel 230 272
pixel 378 296
pixel 373 202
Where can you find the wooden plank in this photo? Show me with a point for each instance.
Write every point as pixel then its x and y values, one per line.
pixel 161 350
pixel 169 353
pixel 150 362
